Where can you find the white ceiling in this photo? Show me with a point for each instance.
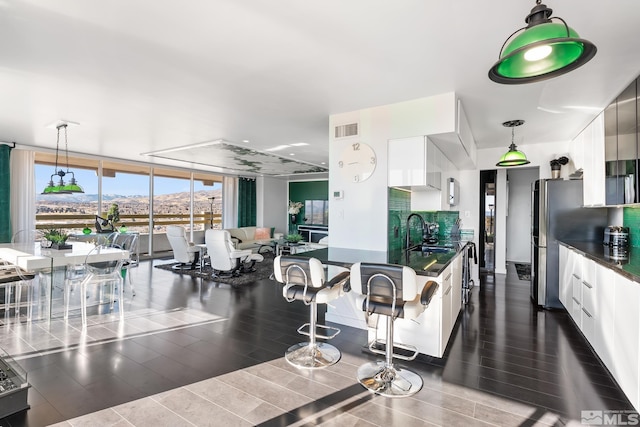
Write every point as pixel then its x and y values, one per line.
pixel 148 75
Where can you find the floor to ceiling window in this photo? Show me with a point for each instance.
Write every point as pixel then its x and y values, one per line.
pixel 128 187
pixel 108 182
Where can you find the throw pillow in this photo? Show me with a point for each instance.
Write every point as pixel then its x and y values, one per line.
pixel 262 234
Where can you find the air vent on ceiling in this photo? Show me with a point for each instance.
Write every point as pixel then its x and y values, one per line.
pixel 344 131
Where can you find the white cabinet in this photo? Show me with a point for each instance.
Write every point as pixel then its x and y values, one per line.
pixel 604 305
pixel 456 289
pixel 626 337
pixel 588 300
pixel 414 163
pixel 575 261
pixel 431 331
pixel 564 276
pixel 594 168
pixel 447 294
pixel 605 313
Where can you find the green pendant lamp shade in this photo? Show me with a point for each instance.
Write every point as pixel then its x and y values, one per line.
pixel 513 157
pixel 61 187
pixel 543 50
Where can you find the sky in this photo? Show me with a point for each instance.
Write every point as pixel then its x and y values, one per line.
pixel 123 184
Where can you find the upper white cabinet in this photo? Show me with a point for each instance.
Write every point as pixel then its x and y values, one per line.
pixel 587 150
pixel 415 163
pixel 459 146
pixel 593 172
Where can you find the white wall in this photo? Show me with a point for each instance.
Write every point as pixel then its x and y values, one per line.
pixel 359 220
pixel 519 213
pixel 272 203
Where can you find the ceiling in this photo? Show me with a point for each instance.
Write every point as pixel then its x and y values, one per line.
pixel 147 76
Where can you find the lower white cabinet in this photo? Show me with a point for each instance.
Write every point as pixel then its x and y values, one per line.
pixel 575 261
pixel 447 296
pixel 564 274
pixel 605 313
pixel 587 300
pixel 626 337
pixel 606 307
pixel 431 331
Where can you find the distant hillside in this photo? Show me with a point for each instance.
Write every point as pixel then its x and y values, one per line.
pixel 199 197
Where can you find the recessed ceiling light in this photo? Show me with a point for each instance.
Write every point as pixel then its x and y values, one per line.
pixel 323 163
pixel 277 148
pixel 246 141
pixel 292 154
pixel 299 144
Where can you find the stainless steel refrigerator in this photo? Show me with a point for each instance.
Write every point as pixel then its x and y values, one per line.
pixel 557 213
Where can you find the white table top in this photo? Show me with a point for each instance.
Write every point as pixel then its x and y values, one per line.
pixel 32 257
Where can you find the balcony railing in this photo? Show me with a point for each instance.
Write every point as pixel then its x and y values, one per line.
pixel 160 221
pixel 137 223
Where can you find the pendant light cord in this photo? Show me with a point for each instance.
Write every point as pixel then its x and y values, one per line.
pixel 66 147
pixel 55 171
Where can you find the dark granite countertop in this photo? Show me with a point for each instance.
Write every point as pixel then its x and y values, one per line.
pixel 424 263
pixel 601 254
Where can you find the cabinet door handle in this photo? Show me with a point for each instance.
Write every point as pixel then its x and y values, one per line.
pixel 576 276
pixel 576 301
pixel 447 278
pixel 586 312
pixel 448 290
pixel 587 284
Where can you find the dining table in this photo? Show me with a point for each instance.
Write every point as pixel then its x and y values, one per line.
pixel 51 264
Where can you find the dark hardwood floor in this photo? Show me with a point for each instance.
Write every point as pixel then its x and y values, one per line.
pixel 506 364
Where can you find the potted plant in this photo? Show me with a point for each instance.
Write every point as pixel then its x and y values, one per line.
pixel 114 213
pixel 556 165
pixel 293 238
pixel 58 239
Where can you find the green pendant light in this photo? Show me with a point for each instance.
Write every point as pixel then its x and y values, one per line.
pixel 61 187
pixel 543 50
pixel 513 157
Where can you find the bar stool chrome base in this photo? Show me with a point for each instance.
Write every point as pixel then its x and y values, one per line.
pixel 388 381
pixel 312 356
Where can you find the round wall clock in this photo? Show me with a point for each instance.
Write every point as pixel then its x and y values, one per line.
pixel 357 162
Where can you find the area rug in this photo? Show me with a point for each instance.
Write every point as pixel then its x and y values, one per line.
pixel 264 270
pixel 524 271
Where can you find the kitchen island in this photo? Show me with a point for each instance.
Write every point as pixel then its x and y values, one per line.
pixel 431 331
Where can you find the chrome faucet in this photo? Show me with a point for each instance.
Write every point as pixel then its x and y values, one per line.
pixel 408 238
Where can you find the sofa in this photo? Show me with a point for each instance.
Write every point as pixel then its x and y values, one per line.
pixel 252 237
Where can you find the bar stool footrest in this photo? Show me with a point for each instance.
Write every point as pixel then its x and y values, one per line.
pixel 405 351
pixel 305 330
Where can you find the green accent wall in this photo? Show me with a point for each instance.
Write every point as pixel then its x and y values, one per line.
pixel 308 190
pixel 631 219
pixel 399 206
pixel 400 209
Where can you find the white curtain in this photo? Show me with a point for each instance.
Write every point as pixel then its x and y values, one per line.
pixel 23 197
pixel 229 202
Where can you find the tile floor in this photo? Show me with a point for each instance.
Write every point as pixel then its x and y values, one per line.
pixel 193 352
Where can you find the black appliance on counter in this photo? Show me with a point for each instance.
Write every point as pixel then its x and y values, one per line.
pixel 557 214
pixel 616 236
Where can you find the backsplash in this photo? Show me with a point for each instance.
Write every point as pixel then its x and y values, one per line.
pixel 631 219
pixel 400 209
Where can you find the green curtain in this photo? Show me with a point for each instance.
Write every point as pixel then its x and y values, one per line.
pixel 5 194
pixel 246 202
